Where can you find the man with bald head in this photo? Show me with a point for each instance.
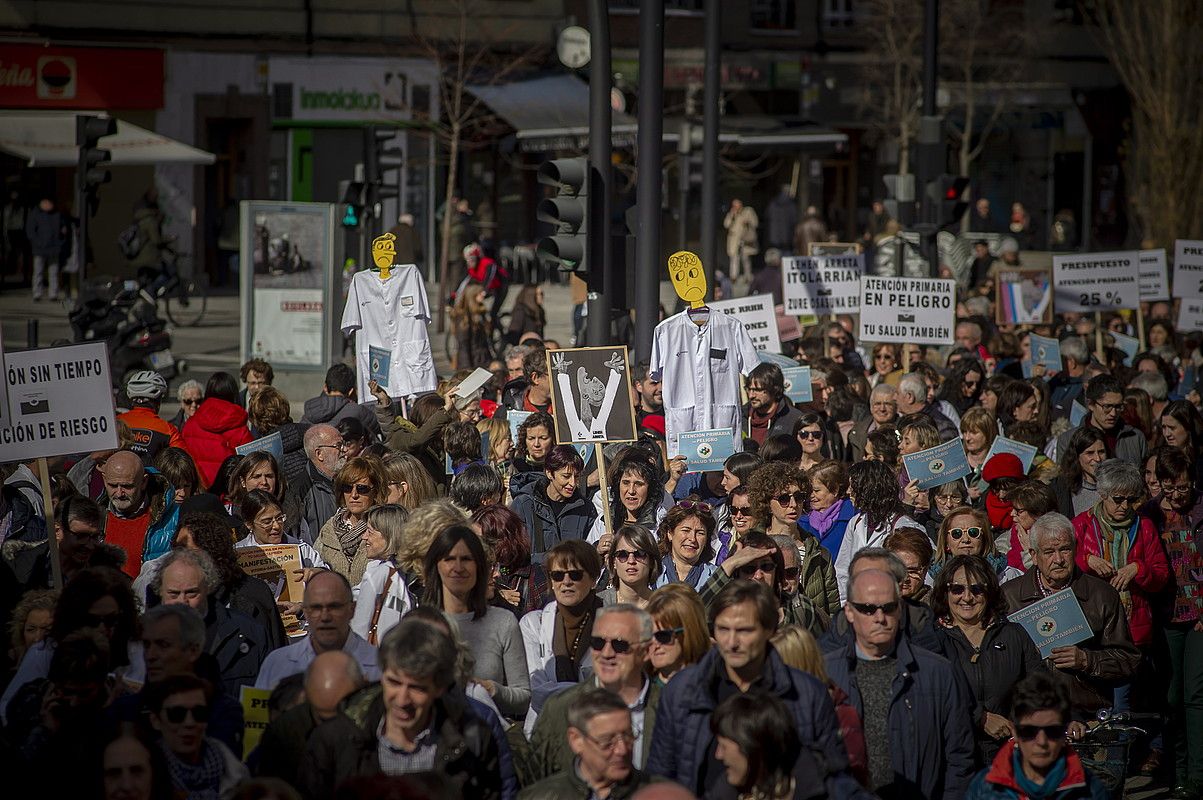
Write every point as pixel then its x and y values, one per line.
pixel 327 454
pixel 330 679
pixel 328 606
pixel 917 716
pixel 141 514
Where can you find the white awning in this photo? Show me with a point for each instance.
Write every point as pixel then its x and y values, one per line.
pixel 47 139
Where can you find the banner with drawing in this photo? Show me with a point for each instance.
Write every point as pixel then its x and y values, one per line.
pixel 591 395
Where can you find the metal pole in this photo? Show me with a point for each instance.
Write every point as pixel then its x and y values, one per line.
pixel 710 124
pixel 930 140
pixel 600 274
pixel 647 191
pixel 931 57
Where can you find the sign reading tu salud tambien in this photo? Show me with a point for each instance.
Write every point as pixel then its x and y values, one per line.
pixel 916 310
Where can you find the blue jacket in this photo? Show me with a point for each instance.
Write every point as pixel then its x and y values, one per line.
pixel 930 726
pixel 546 530
pixel 835 535
pixel 997 781
pixel 682 741
pixel 164 515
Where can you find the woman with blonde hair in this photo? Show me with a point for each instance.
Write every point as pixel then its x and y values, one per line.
pixel 30 623
pixel 357 487
pixel 408 484
pixel 382 597
pixel 979 429
pixel 966 532
pixel 679 634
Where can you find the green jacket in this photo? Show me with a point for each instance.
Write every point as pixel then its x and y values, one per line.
pixel 549 752
pixel 817 575
pixel 567 785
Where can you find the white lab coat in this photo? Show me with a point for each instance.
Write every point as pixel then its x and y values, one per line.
pixel 393 315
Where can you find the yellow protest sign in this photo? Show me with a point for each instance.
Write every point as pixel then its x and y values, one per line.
pixel 255 717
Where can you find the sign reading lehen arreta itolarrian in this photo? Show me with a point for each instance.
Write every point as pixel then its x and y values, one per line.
pixel 1096 281
pixel 822 284
pixel 916 310
pixel 1055 621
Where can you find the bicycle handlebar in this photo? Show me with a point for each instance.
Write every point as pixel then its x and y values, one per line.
pixel 1122 717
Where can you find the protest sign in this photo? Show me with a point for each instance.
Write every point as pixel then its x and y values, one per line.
pixel 1055 621
pixel 1190 314
pixel 797 384
pixel 756 314
pixel 936 466
pixel 61 402
pixel 591 395
pixel 515 419
pixel 914 310
pixel 1046 351
pixel 1024 452
pixel 378 364
pixel 472 384
pixel 255 716
pixel 272 443
pixel 277 565
pixel 1097 281
pixel 1077 413
pixel 822 284
pixel 1130 345
pixel 788 328
pixel 1154 282
pixel 834 248
pixel 1025 296
pixel 1188 269
pixel 706 451
pixel 4 416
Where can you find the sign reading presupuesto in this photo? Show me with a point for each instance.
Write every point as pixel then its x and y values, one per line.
pixel 1097 281
pixel 758 318
pixel 1188 268
pixel 822 284
pixel 916 310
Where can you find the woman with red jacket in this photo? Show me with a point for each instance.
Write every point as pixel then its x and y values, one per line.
pixel 217 427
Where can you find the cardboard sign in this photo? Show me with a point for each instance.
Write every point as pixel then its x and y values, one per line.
pixel 60 402
pixel 277 565
pixel 914 310
pixel 1154 282
pixel 936 466
pixel 255 716
pixel 1130 345
pixel 1190 314
pixel 707 451
pixel 591 395
pixel 788 329
pixel 1025 297
pixel 1188 269
pixel 272 443
pixel 378 365
pixel 1055 621
pixel 472 384
pixel 822 284
pixel 797 384
pixel 756 314
pixel 1025 452
pixel 1097 281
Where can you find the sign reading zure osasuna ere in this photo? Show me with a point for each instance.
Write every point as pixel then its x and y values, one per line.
pixel 758 318
pixel 916 310
pixel 822 284
pixel 1096 281
pixel 1188 268
pixel 61 402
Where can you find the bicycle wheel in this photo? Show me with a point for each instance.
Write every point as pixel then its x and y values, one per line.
pixel 186 304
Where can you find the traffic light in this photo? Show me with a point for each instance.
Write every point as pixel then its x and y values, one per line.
pixel 352 203
pixel 944 195
pixel 567 211
pixel 88 132
pixel 380 158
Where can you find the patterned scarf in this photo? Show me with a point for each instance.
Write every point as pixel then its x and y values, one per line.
pixel 198 781
pixel 349 533
pixel 1115 541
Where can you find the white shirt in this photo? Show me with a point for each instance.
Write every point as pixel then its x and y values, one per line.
pixel 296 658
pixel 700 367
pixel 394 315
pixel 397 603
pixel 857 536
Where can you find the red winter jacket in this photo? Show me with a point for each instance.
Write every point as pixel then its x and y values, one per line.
pixel 1152 574
pixel 212 433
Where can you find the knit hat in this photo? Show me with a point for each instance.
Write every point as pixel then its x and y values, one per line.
pixel 1003 465
pixel 653 423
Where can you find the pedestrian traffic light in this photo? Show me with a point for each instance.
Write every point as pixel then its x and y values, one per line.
pixel 352 203
pixel 379 158
pixel 945 196
pixel 88 132
pixel 567 211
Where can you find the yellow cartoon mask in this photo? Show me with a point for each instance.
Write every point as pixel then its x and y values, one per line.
pixel 384 249
pixel 688 277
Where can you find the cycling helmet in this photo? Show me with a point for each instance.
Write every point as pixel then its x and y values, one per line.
pixel 473 252
pixel 146 385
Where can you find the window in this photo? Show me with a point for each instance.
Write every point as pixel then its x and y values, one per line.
pixel 773 15
pixel 837 14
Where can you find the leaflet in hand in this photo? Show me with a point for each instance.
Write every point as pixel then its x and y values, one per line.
pixel 936 466
pixel 797 384
pixel 378 364
pixel 706 451
pixel 469 385
pixel 1055 621
pixel 1002 444
pixel 1128 344
pixel 1046 351
pixel 272 443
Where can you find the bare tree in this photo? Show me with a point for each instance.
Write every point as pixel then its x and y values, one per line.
pixel 1154 45
pixel 893 80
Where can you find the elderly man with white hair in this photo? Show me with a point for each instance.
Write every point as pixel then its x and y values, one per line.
pixel 883 410
pixel 1107 659
pixel 912 399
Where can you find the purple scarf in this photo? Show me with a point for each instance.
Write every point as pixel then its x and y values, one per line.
pixel 821 521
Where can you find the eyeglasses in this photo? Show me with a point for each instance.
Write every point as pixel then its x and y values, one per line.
pixel 558 575
pixel 340 446
pixel 626 555
pixel 177 714
pixel 1029 732
pixel 271 522
pixel 1120 499
pixel 692 505
pixel 791 573
pixel 666 635
pixel 958 589
pixel 1165 489
pixel 1116 407
pixel 868 609
pixel 358 488
pixel 784 498
pixel 610 742
pixel 810 434
pixel 741 511
pixel 619 646
pixel 957 533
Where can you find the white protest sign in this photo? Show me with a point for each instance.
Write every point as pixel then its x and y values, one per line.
pixel 62 402
pixel 758 318
pixel 1190 314
pixel 4 418
pixel 1188 268
pixel 1096 281
pixel 1154 278
pixel 822 284
pixel 915 310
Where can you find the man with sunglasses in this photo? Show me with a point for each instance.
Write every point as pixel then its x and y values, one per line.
pixel 769 412
pixel 1038 761
pixel 1105 402
pixel 915 710
pixel 619 647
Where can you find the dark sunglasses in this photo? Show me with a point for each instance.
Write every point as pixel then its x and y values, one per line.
pixel 177 714
pixel 667 635
pixel 1029 732
pixel 957 533
pixel 748 570
pixel 575 575
pixel 106 620
pixel 691 505
pixel 868 609
pixel 810 434
pixel 624 555
pixel 791 573
pixel 741 511
pixel 1120 499
pixel 783 499
pixel 958 589
pixel 196 402
pixel 362 488
pixel 619 646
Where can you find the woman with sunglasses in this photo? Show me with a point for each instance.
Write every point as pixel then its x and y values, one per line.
pixel 556 637
pixel 456 580
pixel 965 532
pixel 632 567
pixel 685 534
pixel 971 622
pixel 739 521
pixel 737 470
pixel 811 434
pixel 199 765
pixel 885 363
pixel 680 635
pixel 358 486
pixel 964 385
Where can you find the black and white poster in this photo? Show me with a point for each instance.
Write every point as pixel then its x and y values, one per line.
pixel 591 395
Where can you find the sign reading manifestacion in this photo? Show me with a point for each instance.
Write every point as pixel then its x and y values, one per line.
pixel 917 310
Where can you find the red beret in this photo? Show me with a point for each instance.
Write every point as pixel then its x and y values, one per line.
pixel 653 423
pixel 1002 465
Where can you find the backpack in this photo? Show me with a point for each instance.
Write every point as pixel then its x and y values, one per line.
pixel 129 241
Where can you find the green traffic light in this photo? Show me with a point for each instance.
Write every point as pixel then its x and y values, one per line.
pixel 351 217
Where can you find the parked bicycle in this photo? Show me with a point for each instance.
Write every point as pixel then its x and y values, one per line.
pixel 1106 748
